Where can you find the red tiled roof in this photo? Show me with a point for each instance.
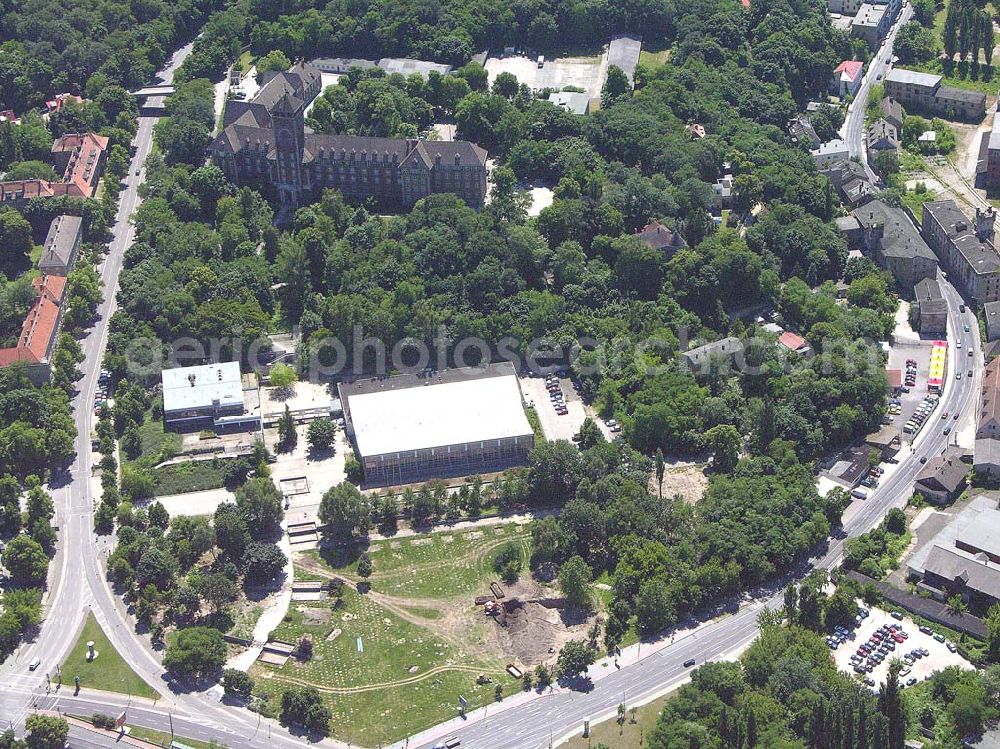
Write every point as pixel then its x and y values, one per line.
pixel 791 341
pixel 83 170
pixel 41 324
pixel 851 67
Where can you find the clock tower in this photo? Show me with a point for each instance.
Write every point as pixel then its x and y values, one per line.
pixel 288 120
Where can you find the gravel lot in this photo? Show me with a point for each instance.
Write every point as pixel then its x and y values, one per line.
pixel 940 657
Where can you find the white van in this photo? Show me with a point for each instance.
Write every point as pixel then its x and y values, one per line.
pixel 859 494
pixel 541 61
pixel 35 663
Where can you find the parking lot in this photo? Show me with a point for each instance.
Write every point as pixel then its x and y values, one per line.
pixel 909 402
pixel 939 655
pixel 585 73
pixel 555 425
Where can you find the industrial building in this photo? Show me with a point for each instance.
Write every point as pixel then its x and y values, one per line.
pixel 455 422
pixel 210 396
pixel 963 558
pixel 924 92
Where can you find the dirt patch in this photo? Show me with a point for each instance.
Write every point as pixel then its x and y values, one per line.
pixel 315 616
pixel 681 478
pixel 533 633
pixel 422 541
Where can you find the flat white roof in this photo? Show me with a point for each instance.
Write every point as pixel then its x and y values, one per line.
pixel 200 387
pixel 436 415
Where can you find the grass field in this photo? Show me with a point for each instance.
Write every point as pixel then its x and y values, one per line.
pixel 108 671
pixel 653 59
pixel 439 565
pixel 628 735
pixel 422 642
pixel 403 679
pixel 194 476
pixel 163 739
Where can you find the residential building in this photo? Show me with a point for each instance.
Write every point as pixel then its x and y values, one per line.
pixel 413 427
pixel 871 23
pixel 39 331
pixel 987 447
pixel 886 440
pixel 62 243
pixel 850 227
pixel 656 236
pixel 722 193
pixel 843 7
pixel 846 78
pixel 894 243
pixel 794 343
pixel 721 353
pixel 264 141
pixel 991 316
pixel 696 131
pixel 965 248
pixel 963 558
pixel 993 152
pixel 210 396
pixel 851 182
pixel 56 104
pixel 572 101
pixel 881 137
pixel 829 153
pixel 79 157
pixel 892 112
pixel 923 92
pixel 942 478
pixel 931 308
pixel 803 133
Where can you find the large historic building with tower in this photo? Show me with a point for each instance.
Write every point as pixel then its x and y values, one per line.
pixel 966 248
pixel 265 142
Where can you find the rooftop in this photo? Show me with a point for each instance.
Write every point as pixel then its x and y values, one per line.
pixel 971 514
pixel 980 256
pixel 660 237
pixel 849 69
pixel 623 52
pixel 41 324
pixel 912 77
pixel 572 101
pixel 869 15
pixel 406 66
pixel 964 95
pixel 186 388
pixel 792 341
pixel 927 292
pixel 943 472
pixel 61 241
pixel 900 238
pixel 830 147
pixel 437 409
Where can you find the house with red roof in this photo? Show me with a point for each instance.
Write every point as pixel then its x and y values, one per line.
pixel 40 329
pixel 795 343
pixel 79 157
pixel 846 78
pixel 55 104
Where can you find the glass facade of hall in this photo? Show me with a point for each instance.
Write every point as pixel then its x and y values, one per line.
pixel 410 466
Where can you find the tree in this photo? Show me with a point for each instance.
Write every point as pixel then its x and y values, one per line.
pixel 303 706
pixel 287 436
pixel 726 443
pixel 895 521
pixel 344 512
pixel 660 470
pixel 282 376
pixel 616 86
pixel 992 622
pixel 231 533
pixel 217 589
pixel 890 704
pixel 273 60
pixel 322 433
pixel 791 603
pixel 508 203
pixel 574 581
pixel 365 566
pixel 263 562
pixel 969 709
pixel 237 682
pixel 957 606
pixel 574 659
pixel 654 610
pixel 195 652
pixel 26 561
pixel 507 562
pixel 259 501
pixel 46 732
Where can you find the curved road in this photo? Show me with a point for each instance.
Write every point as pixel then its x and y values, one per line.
pixel 80 584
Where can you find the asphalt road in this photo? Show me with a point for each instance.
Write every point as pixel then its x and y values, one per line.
pixel 79 584
pixel 853 128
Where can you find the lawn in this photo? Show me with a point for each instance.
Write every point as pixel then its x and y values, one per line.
pixel 164 739
pixel 438 565
pixel 653 59
pixel 915 201
pixel 108 671
pixel 631 734
pixel 193 476
pixel 413 676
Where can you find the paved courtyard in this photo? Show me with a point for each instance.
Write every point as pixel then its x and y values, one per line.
pixel 585 73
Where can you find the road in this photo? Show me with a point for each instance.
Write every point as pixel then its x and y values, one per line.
pixel 80 584
pixel 852 131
